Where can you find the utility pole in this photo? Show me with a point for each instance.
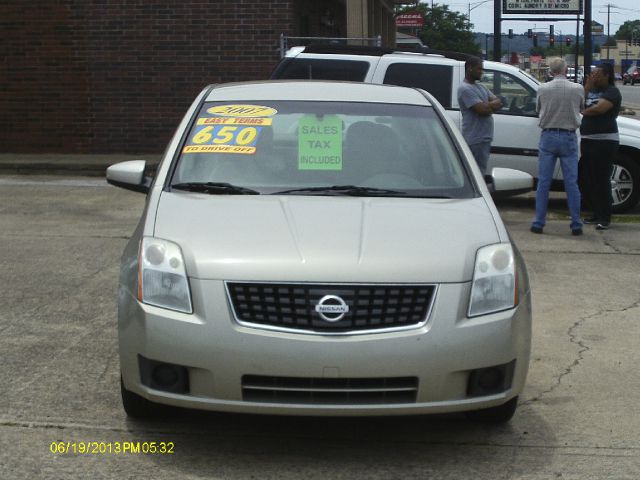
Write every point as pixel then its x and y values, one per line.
pixel 608 26
pixel 497 30
pixel 588 40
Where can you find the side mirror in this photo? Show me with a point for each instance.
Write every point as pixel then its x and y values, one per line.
pixel 505 182
pixel 129 175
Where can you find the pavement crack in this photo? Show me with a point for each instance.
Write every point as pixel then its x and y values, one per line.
pixel 582 349
pixel 611 246
pixel 107 366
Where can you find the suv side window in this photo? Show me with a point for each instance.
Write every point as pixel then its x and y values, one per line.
pixel 322 69
pixel 517 97
pixel 435 79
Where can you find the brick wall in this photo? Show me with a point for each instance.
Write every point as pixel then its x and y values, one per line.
pixel 116 76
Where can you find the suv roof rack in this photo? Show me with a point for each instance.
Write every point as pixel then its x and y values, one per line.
pixel 332 48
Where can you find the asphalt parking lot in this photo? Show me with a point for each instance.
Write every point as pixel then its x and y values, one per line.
pixel 61 239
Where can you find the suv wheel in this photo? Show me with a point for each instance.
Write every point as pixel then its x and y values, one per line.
pixel 625 183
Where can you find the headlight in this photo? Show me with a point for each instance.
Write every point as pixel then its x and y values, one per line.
pixel 162 279
pixel 494 280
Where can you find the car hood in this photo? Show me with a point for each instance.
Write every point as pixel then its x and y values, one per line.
pixel 326 239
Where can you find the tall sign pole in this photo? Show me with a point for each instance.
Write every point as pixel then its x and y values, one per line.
pixel 588 41
pixel 497 33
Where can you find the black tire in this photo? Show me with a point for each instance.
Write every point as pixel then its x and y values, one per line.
pixel 500 414
pixel 625 183
pixel 136 406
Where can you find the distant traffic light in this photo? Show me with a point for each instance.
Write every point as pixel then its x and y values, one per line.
pixel 535 40
pixel 511 33
pixel 568 41
pixel 552 40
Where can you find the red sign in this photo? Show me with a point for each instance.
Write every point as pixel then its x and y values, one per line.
pixel 410 20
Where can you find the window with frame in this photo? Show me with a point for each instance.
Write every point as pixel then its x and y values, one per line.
pixel 517 97
pixel 435 79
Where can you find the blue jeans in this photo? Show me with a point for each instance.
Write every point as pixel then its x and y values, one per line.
pixel 556 144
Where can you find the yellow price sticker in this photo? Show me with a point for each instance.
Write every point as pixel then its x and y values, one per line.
pixel 242 111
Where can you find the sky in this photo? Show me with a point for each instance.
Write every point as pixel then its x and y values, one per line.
pixel 482 15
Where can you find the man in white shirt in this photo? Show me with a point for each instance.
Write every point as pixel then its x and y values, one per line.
pixel 559 104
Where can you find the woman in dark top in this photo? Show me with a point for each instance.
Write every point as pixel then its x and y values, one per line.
pixel 599 144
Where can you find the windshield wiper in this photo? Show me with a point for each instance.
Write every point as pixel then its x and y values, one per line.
pixel 352 190
pixel 215 188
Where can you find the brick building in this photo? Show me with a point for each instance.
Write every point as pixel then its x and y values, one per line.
pixel 116 76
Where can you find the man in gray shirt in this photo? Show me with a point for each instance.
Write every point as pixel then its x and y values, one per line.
pixel 477 105
pixel 559 104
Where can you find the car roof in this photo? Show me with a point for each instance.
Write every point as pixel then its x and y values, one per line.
pixel 332 49
pixel 313 90
pixel 375 53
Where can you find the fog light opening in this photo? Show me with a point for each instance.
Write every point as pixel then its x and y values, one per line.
pixel 166 377
pixel 490 380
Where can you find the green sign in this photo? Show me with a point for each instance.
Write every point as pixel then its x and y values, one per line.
pixel 320 143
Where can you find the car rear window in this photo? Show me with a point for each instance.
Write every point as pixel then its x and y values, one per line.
pixel 321 69
pixel 435 79
pixel 273 146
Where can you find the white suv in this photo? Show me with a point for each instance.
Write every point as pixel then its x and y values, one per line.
pixel 515 143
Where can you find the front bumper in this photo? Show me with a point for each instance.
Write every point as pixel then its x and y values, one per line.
pixel 218 353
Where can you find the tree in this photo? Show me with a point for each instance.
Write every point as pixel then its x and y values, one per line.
pixel 445 30
pixel 628 29
pixel 537 50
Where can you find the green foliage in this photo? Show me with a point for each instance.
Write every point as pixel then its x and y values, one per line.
pixel 628 29
pixel 537 50
pixel 445 30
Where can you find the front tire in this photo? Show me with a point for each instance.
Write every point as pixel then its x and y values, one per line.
pixel 625 183
pixel 500 414
pixel 136 406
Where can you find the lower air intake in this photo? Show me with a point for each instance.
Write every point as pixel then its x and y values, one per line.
pixel 329 391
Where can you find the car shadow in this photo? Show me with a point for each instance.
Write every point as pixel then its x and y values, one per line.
pixel 261 446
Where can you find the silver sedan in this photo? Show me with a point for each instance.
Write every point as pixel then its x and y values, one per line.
pixel 321 248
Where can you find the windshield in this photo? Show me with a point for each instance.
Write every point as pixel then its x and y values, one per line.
pixel 321 148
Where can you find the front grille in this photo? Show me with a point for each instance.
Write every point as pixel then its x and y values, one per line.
pixel 329 391
pixel 293 306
